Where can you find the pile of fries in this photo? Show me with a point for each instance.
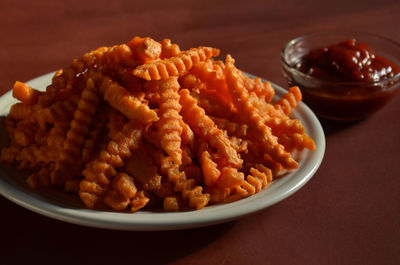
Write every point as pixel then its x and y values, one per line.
pixel 144 124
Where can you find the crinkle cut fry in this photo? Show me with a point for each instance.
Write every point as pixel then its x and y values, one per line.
pixel 33 155
pixel 297 141
pixel 230 178
pixel 209 168
pixel 122 100
pixel 169 49
pixel 123 190
pixel 23 134
pixel 286 126
pixel 32 113
pixel 218 195
pixel 247 134
pixel 67 167
pixel 274 116
pixel 29 146
pixel 10 153
pixel 203 126
pixel 249 114
pixel 174 66
pixel 145 49
pixel 25 93
pixel 187 135
pixel 100 171
pixel 124 193
pixel 171 204
pixel 169 125
pixel 139 201
pixel 257 180
pixel 194 194
pixel 289 100
pixel 266 109
pixel 20 111
pixel 40 178
pixel 261 89
pixel 237 133
pixel 117 54
pixel 64 110
pixel 101 119
pixel 213 104
pixel 212 75
pixel 232 128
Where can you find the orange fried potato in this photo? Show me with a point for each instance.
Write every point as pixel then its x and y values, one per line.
pixel 144 125
pixel 25 93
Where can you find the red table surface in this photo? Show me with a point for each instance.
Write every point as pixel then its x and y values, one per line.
pixel 348 213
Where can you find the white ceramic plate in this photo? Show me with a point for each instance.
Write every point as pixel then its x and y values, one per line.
pixel 68 208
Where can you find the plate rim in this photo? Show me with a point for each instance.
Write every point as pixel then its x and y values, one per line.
pixel 163 221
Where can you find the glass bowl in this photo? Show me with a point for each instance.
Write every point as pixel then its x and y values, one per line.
pixel 341 100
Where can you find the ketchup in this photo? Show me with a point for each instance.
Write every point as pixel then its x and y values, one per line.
pixel 346 74
pixel 347 61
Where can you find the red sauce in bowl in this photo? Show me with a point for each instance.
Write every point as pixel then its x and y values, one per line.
pixel 348 80
pixel 347 61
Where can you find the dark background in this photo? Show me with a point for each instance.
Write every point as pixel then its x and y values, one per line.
pixel 349 212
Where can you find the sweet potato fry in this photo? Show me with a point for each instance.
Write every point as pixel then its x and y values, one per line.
pixel 144 125
pixel 25 93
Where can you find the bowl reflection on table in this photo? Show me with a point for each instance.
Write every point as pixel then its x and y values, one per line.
pixel 339 100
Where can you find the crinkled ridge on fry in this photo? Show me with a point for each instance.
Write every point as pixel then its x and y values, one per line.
pixel 174 66
pixel 205 127
pixel 170 125
pixel 66 167
pixel 100 172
